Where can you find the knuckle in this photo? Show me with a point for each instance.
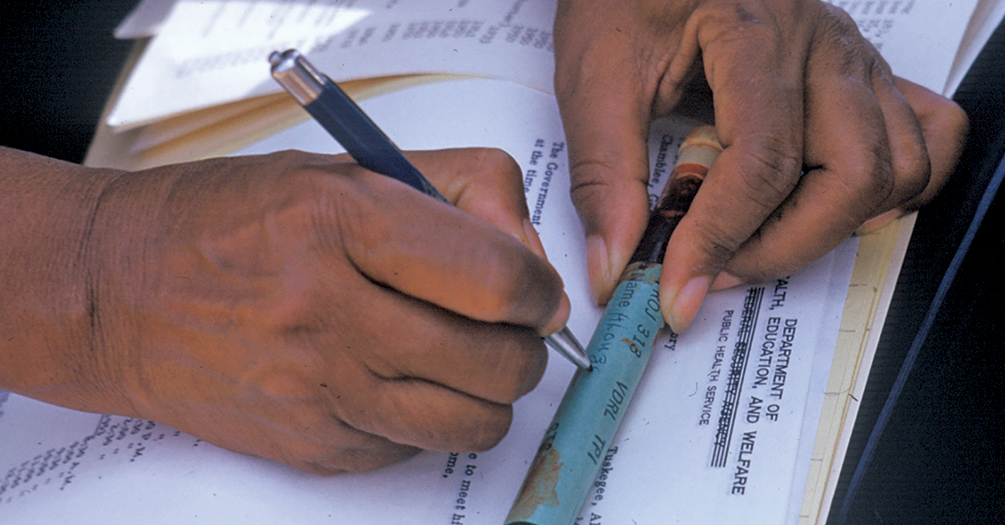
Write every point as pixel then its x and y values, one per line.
pixel 522 288
pixel 751 268
pixel 872 179
pixel 305 165
pixel 493 160
pixel 718 245
pixel 839 19
pixel 348 216
pixel 475 429
pixel 868 179
pixel 769 168
pixel 489 429
pixel 353 460
pixel 588 185
pixel 580 67
pixel 596 177
pixel 590 172
pixel 320 469
pixel 733 23
pixel 847 51
pixel 292 157
pixel 522 366
pixel 498 166
pixel 913 170
pixel 952 117
pixel 504 286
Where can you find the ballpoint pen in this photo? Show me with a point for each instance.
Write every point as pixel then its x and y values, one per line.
pixel 371 148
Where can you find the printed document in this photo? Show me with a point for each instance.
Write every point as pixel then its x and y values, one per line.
pixel 721 428
pixel 208 53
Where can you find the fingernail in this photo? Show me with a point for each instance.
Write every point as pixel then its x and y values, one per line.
pixel 533 239
pixel 598 267
pixel 726 280
pixel 879 221
pixel 680 308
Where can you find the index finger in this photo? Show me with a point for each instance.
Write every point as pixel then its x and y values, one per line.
pixel 488 184
pixel 445 256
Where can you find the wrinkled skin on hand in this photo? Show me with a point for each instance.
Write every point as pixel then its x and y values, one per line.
pixel 821 139
pixel 303 309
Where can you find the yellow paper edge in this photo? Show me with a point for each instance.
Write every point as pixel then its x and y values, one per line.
pixel 874 275
pixel 217 132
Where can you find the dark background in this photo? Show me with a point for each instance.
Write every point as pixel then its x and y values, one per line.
pixel 934 453
pixel 937 456
pixel 59 64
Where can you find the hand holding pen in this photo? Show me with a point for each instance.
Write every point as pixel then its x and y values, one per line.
pixel 372 149
pixel 264 304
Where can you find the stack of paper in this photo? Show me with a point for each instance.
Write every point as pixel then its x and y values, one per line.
pixel 199 88
pixel 199 85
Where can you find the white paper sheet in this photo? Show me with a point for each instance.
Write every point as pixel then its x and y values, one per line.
pixel 919 38
pixel 208 53
pixel 987 17
pixel 212 52
pixel 61 466
pixel 145 20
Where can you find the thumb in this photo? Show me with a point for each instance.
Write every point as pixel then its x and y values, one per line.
pixel 606 118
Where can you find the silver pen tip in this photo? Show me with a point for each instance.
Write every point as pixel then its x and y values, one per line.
pixel 566 344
